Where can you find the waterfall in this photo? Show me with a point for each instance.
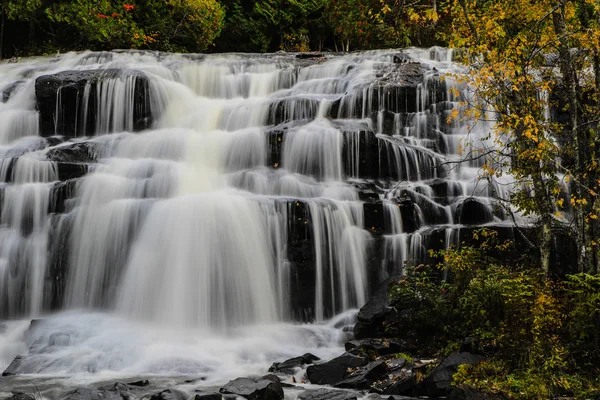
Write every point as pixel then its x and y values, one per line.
pixel 222 194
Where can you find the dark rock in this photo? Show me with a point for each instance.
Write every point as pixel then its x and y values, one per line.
pixel 334 371
pixel 140 383
pixel 168 394
pixel 94 394
pixel 371 315
pixel 275 378
pixel 303 56
pixel 400 383
pixel 365 377
pixel 380 346
pixel 464 392
pixel 439 380
pixel 79 152
pixel 8 91
pixel 208 396
pixel 14 366
pixel 254 389
pixel 473 212
pixel 68 171
pixel 327 394
pixel 64 98
pixel 289 365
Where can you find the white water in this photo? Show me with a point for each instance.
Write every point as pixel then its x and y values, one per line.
pixel 180 257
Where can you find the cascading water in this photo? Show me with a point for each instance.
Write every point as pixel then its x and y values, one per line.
pixel 155 199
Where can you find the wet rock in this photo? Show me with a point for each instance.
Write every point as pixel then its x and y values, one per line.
pixel 8 91
pixel 473 212
pixel 381 347
pixel 64 98
pixel 364 377
pixel 140 383
pixel 254 389
pixel 334 371
pixel 168 394
pixel 94 394
pixel 371 315
pixel 439 380
pixel 400 383
pixel 79 152
pixel 327 394
pixel 68 171
pixel 14 366
pixel 275 378
pixel 208 396
pixel 288 366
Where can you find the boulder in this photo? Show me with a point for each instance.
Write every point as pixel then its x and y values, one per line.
pixel 334 371
pixel 254 389
pixel 439 380
pixel 372 315
pixel 400 383
pixel 365 377
pixel 288 366
pixel 168 394
pixel 327 394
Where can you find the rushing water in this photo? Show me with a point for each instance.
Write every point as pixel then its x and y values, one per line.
pixel 245 203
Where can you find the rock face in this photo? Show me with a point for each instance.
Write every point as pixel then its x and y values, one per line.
pixel 254 389
pixel 334 371
pixel 438 382
pixel 74 103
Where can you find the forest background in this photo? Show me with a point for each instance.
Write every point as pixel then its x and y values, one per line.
pixel 34 27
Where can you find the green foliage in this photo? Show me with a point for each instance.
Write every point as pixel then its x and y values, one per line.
pixel 540 335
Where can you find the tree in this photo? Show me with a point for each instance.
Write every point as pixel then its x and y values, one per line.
pixel 520 65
